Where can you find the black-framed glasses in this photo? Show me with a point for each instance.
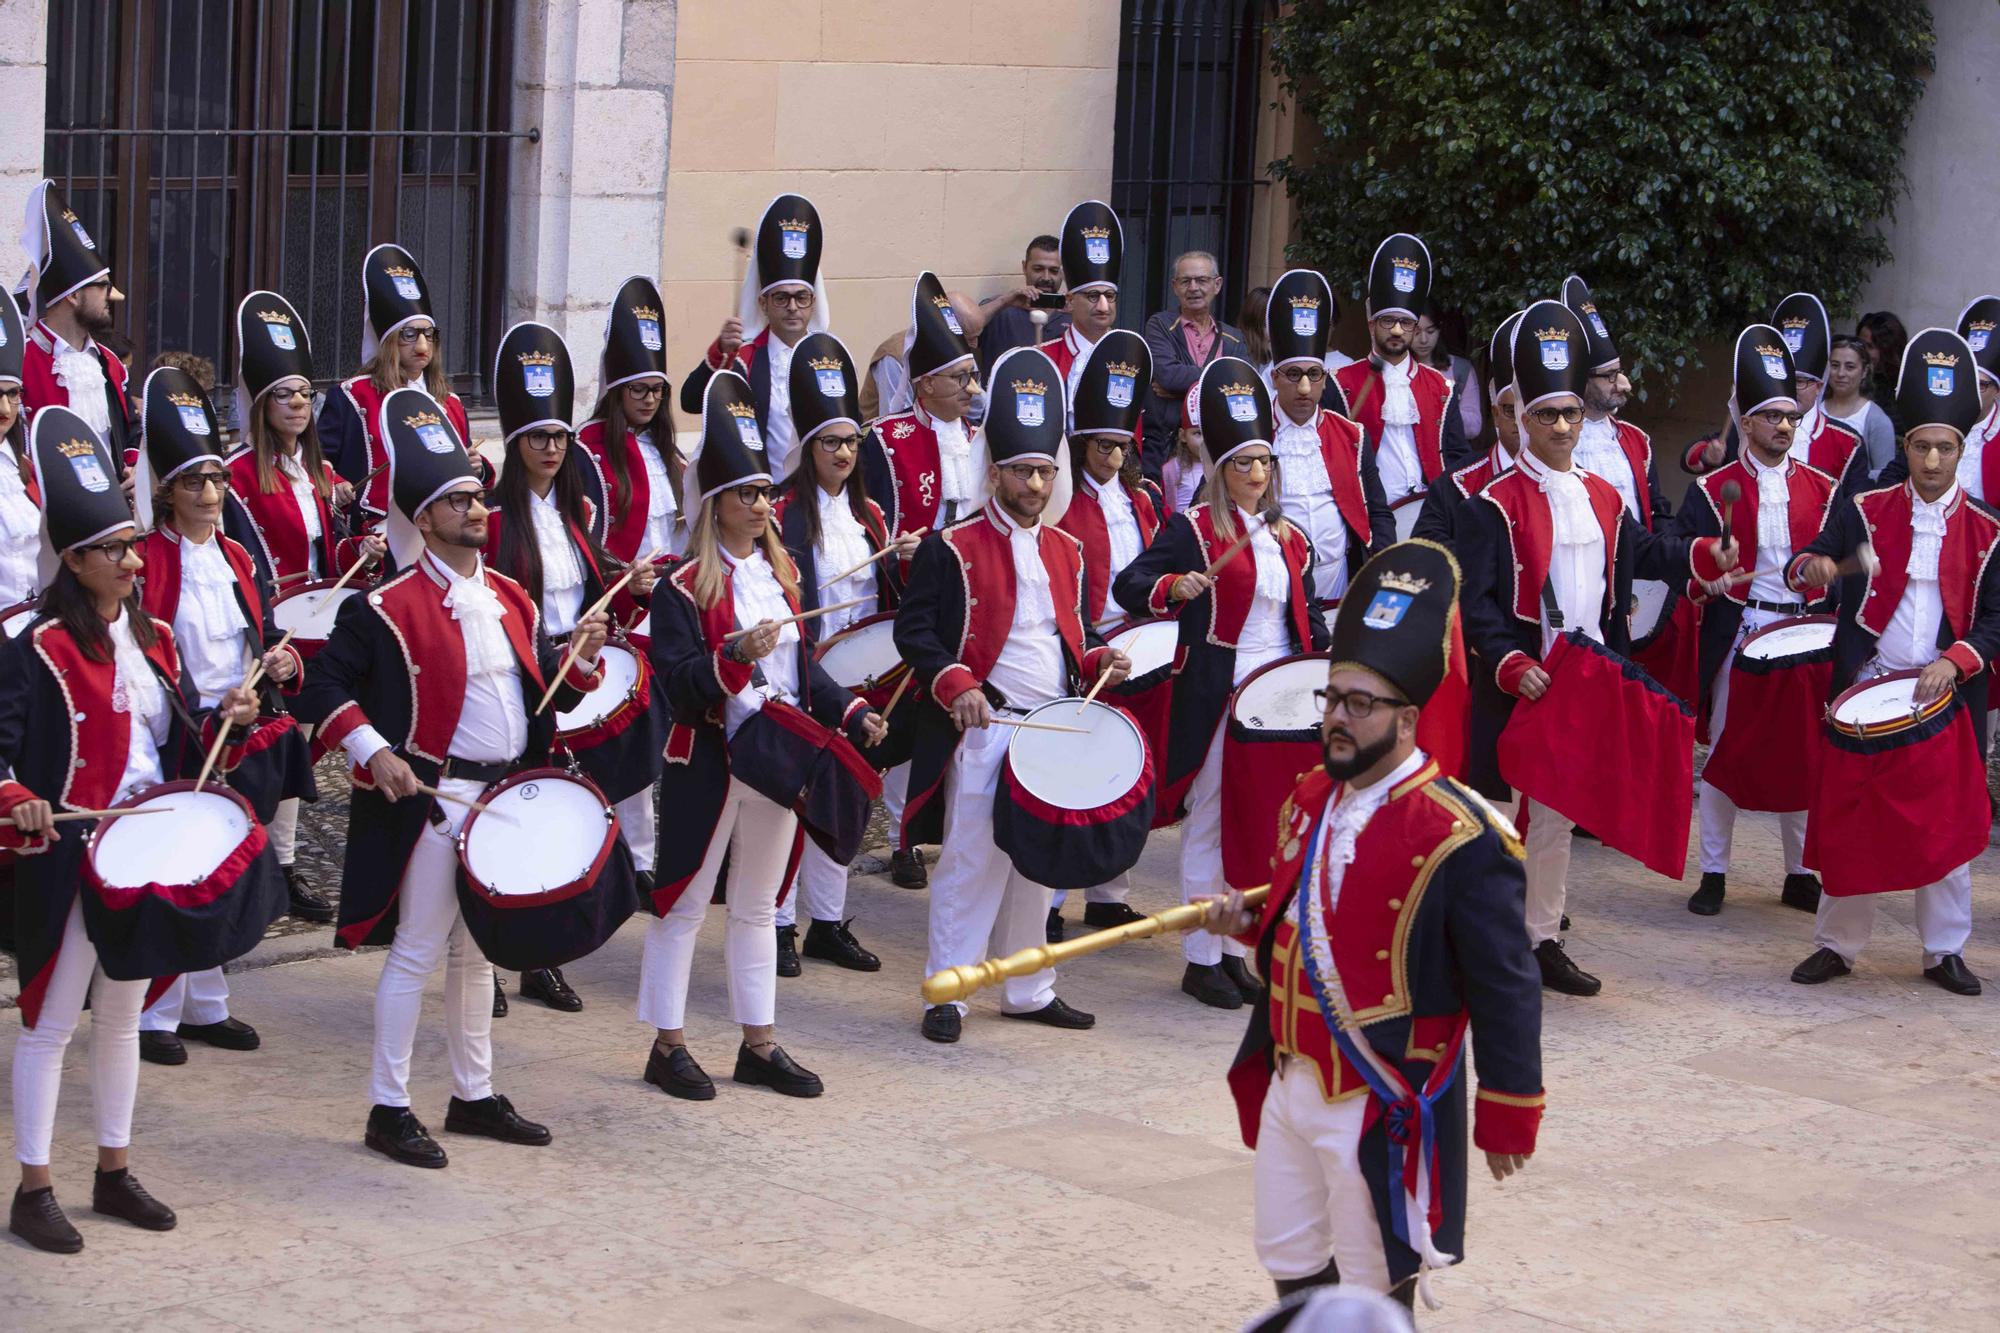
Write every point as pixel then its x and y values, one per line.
pixel 792 298
pixel 1611 374
pixel 1395 324
pixel 1507 410
pixel 833 444
pixel 1097 296
pixel 958 379
pixel 1027 472
pixel 1197 279
pixel 410 334
pixel 546 441
pixel 1942 448
pixel 98 284
pixel 1549 416
pixel 1106 445
pixel 1772 416
pixel 748 496
pixel 1294 375
pixel 295 394
pixel 1357 704
pixel 12 391
pixel 194 483
pixel 459 502
pixel 650 389
pixel 1248 463
pixel 114 551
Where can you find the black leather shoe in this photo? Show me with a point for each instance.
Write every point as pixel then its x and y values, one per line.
pixel 1707 900
pixel 1054 931
pixel 776 1071
pixel 499 997
pixel 942 1023
pixel 117 1194
pixel 1560 972
pixel 788 951
pixel 38 1219
pixel 395 1132
pixel 494 1118
pixel 1056 1014
pixel 1802 892
pixel 906 869
pixel 547 985
pixel 161 1048
pixel 1239 976
pixel 231 1034
pixel 1103 916
pixel 1565 923
pixel 1952 974
pixel 833 942
pixel 1824 965
pixel 678 1075
pixel 1208 983
pixel 308 903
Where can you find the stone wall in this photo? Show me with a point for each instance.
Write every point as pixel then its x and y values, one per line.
pixel 24 92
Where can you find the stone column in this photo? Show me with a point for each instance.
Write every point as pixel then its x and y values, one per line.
pixel 24 92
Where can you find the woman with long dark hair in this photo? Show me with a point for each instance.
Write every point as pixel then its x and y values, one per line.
pixel 629 437
pixel 544 510
pixel 1884 337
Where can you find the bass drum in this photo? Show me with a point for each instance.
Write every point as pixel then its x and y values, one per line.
pixel 1073 810
pixel 1270 741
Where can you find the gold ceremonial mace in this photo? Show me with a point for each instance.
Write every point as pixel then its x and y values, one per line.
pixel 955 983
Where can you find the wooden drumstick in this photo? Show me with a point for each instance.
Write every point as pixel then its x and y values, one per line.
pixel 736 634
pixel 1862 561
pixel 1103 677
pixel 885 551
pixel 1238 545
pixel 222 731
pixel 1026 725
pixel 897 697
pixel 339 583
pixel 478 807
pixel 569 657
pixel 63 815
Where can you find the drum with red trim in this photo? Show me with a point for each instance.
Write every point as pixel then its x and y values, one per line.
pixel 1666 633
pixel 1073 807
pixel 1406 512
pixel 863 659
pixel 1778 684
pixel 543 878
pixel 617 731
pixel 640 633
pixel 307 612
pixel 187 887
pixel 1899 790
pixel 18 617
pixel 1270 740
pixel 785 755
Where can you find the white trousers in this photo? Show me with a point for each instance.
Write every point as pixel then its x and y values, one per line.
pixel 757 835
pixel 1201 855
pixel 1718 812
pixel 284 831
pixel 896 795
pixel 1944 919
pixel 822 886
pixel 978 899
pixel 430 931
pixel 1312 1202
pixel 195 997
pixel 1547 842
pixel 638 824
pixel 114 1049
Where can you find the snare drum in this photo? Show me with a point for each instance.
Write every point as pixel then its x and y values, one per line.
pixel 863 658
pixel 1899 791
pixel 1406 512
pixel 18 617
pixel 307 613
pixel 543 878
pixel 181 892
pixel 1652 610
pixel 1073 810
pixel 616 732
pixel 1666 637
pixel 1777 691
pixel 1270 741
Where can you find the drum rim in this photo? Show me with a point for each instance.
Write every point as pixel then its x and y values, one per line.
pixel 561 893
pixel 641 685
pixel 1864 730
pixel 1130 623
pixel 1120 803
pixel 825 645
pixel 317 585
pixel 1229 709
pixel 213 787
pixel 25 604
pixel 1413 498
pixel 1789 622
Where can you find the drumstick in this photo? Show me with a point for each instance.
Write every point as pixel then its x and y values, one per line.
pixel 575 643
pixel 62 815
pixel 736 634
pixel 478 807
pixel 887 550
pixel 222 732
pixel 1230 554
pixel 339 583
pixel 1037 726
pixel 1088 699
pixel 740 238
pixel 291 578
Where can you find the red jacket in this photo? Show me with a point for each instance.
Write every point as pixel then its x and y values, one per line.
pixel 1361 383
pixel 1084 520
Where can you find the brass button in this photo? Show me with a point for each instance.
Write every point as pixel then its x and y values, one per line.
pixel 1395 904
pixel 1458 826
pixel 1381 955
pixel 1389 998
pixel 1416 861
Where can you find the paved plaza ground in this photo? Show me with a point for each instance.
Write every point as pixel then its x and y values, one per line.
pixel 1723 1150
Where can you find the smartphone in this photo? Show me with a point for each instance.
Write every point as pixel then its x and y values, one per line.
pixel 1050 301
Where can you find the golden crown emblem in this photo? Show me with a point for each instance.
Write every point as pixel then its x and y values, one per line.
pixel 1765 349
pixel 644 312
pixel 1122 368
pixel 1396 581
pixel 1231 390
pixel 1030 386
pixel 1554 333
pixel 1304 302
pixel 76 448
pixel 423 418
pixel 1941 358
pixel 538 359
pixel 274 317
pixel 68 216
pixel 941 302
pixel 1980 325
pixel 1404 262
pixel 399 271
pixel 740 409
pixel 1095 232
pixel 1797 322
pixel 794 224
pixel 183 400
pixel 827 363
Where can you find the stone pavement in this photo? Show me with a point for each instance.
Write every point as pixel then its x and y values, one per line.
pixel 1723 1150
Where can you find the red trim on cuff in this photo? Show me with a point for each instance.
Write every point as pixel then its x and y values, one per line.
pixel 298 678
pixel 1157 600
pixel 1703 561
pixel 847 713
pixel 714 356
pixel 1507 675
pixel 1792 571
pixel 583 680
pixel 1093 664
pixel 733 677
pixel 951 682
pixel 1966 658
pixel 1506 1122
pixel 14 793
pixel 337 725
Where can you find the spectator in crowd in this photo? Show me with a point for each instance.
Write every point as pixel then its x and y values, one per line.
pixel 1256 347
pixel 1433 349
pixel 886 388
pixel 1847 373
pixel 1181 474
pixel 1184 340
pixel 1884 336
pixel 1007 322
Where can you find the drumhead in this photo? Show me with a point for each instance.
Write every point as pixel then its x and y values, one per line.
pixel 1075 772
pixel 1278 697
pixel 1884 705
pixel 621 676
pixel 183 848
pixel 310 610
pixel 1150 644
pixel 536 835
pixel 1649 603
pixel 1406 512
pixel 862 654
pixel 1789 638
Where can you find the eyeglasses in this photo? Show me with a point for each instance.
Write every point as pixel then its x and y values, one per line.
pixel 1357 704
pixel 1507 410
pixel 958 379
pixel 748 496
pixel 286 397
pixel 1198 280
pixel 114 551
pixel 410 333
pixel 459 502
pixel 646 390
pixel 194 483
pixel 791 299
pixel 1772 416
pixel 1549 416
pixel 1027 472
pixel 102 284
pixel 833 444
pixel 1105 446
pixel 12 391
pixel 1395 324
pixel 1295 375
pixel 1943 448
pixel 546 441
pixel 1248 463
pixel 1096 297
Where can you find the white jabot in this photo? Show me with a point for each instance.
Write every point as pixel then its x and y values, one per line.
pixel 208 624
pixel 1396 452
pixel 1264 637
pixel 1121 530
pixel 1300 461
pixel 1598 451
pixel 956 474
pixel 757 596
pixel 1774 529
pixel 661 506
pixel 779 437
pixel 137 690
pixel 1577 562
pixel 843 544
pixel 20 532
pixel 1029 670
pixel 293 470
pixel 493 721
pixel 1307 497
pixel 562 572
pixel 1910 641
pixel 81 375
pixel 1927 525
pixel 1970 473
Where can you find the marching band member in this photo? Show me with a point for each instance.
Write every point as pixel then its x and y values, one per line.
pixel 1933 605
pixel 20 509
pixel 783 299
pixel 205 586
pixel 1405 406
pixel 1093 249
pixel 1548 546
pixel 1606 444
pixel 284 502
pixel 829 525
pixel 402 346
pixel 1377 970
pixel 1329 485
pixel 431 679
pixel 631 442
pixel 1979 468
pixel 95 705
pixel 1781 507
pixel 1114 518
pixel 737 702
pixel 68 296
pixel 1438 520
pixel 993 621
pixel 545 508
pixel 1254 609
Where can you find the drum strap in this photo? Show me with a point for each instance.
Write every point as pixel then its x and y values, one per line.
pixel 1549 605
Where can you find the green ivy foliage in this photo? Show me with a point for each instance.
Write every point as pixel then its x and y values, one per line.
pixel 1693 161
